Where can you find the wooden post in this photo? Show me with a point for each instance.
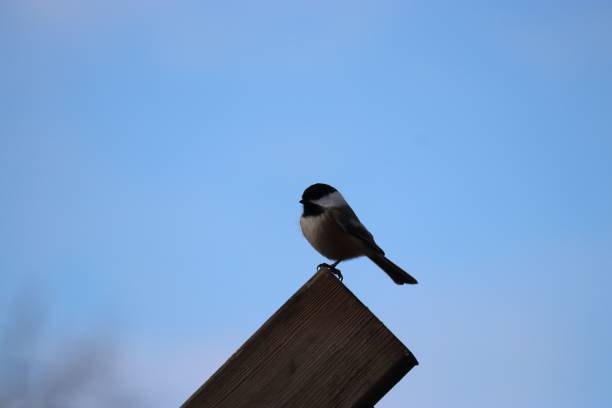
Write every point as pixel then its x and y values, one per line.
pixel 322 348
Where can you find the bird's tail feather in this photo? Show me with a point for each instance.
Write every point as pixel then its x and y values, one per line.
pixel 396 273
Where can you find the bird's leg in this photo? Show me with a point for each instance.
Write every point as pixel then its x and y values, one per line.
pixel 332 268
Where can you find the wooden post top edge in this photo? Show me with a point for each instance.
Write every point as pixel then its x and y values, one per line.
pixel 403 366
pixel 325 273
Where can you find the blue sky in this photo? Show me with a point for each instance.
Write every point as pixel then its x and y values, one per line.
pixel 152 155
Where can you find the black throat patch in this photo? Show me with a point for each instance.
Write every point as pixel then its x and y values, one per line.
pixel 311 210
pixel 313 193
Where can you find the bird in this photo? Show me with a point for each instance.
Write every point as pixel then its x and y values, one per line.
pixel 331 226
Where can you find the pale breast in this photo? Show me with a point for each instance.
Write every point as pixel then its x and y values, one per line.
pixel 329 239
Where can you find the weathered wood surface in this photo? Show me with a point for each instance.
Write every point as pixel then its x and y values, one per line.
pixel 322 348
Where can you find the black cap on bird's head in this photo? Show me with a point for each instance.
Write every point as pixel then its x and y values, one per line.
pixel 316 191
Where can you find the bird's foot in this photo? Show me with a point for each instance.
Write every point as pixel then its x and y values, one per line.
pixel 332 268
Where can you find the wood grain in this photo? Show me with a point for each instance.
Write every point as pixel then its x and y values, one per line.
pixel 322 348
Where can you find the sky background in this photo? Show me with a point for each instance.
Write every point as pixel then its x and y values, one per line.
pixel 152 155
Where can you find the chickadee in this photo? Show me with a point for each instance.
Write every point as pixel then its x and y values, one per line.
pixel 333 229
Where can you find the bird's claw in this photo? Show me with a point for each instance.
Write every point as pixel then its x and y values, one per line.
pixel 332 269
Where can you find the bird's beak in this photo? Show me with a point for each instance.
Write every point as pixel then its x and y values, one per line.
pixel 301 201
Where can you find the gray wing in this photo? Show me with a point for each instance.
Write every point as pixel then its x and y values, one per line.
pixel 348 221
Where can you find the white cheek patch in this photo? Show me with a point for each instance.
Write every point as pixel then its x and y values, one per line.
pixel 334 199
